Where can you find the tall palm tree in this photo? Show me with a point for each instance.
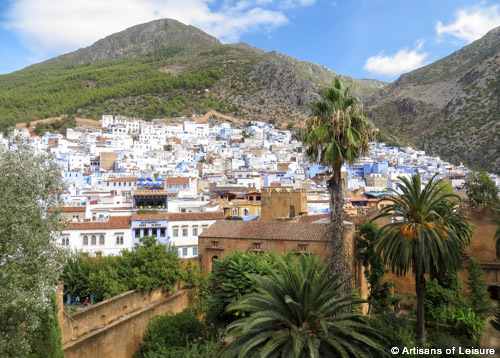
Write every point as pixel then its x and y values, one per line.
pixel 337 132
pixel 427 240
pixel 299 312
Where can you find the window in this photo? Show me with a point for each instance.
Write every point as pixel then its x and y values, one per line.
pixel 215 243
pixel 93 240
pixel 256 245
pixel 204 227
pixel 246 212
pixel 176 251
pixel 162 232
pixel 65 241
pixel 101 239
pixel 137 233
pixel 195 230
pixel 119 240
pixel 235 211
pixel 302 247
pixel 184 251
pixel 195 251
pixel 85 240
pixel 175 232
pixel 184 231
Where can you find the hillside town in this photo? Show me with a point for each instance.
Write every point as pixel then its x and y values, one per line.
pixel 132 178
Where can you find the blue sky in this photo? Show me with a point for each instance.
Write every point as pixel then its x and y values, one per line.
pixel 364 38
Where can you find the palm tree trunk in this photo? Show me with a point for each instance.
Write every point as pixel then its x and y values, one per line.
pixel 338 252
pixel 420 288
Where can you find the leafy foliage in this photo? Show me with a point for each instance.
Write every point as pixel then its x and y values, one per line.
pixel 168 331
pixel 69 87
pixel 338 130
pixel 232 279
pixel 199 285
pixel 297 312
pixel 437 301
pixel 30 258
pixel 60 126
pixel 429 237
pixel 481 190
pixel 380 296
pixel 148 266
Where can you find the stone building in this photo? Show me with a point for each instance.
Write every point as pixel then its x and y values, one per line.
pixel 224 237
pixel 282 203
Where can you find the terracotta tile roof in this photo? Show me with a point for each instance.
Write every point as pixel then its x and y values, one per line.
pixel 180 180
pixel 115 222
pixel 267 231
pixel 312 218
pixel 122 179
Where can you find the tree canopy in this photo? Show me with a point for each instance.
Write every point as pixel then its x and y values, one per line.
pixel 30 259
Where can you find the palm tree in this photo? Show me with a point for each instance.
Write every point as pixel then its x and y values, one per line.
pixel 337 132
pixel 428 239
pixel 297 311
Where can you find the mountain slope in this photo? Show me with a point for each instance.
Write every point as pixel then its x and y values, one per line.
pixel 450 107
pixel 167 69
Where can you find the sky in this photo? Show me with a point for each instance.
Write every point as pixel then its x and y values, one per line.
pixel 378 39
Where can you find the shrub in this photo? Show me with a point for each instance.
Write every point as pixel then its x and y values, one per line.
pixel 165 332
pixel 232 279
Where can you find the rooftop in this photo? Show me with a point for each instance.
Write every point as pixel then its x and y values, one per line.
pixel 253 230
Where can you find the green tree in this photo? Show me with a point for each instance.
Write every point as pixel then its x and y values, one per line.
pixel 30 259
pixel 168 331
pixel 46 340
pixel 298 311
pixel 154 264
pixel 479 297
pixel 427 239
pixel 380 296
pixel 481 190
pixel 337 132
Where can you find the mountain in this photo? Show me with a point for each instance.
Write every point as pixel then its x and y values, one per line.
pixel 449 108
pixel 167 69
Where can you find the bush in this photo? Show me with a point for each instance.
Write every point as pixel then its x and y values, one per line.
pixel 398 330
pixel 231 279
pixel 148 266
pixel 199 286
pixel 437 300
pixel 165 332
pixel 197 350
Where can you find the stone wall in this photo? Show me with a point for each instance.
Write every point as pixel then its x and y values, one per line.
pixel 282 202
pixel 114 328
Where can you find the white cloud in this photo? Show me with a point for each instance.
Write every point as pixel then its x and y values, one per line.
pixel 57 26
pixel 403 61
pixel 471 23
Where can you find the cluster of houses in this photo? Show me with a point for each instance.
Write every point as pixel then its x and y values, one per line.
pixel 191 182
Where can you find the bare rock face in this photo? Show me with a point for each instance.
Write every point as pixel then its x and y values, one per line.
pixel 141 40
pixel 451 107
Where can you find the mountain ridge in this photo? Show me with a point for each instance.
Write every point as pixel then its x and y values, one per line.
pixel 167 69
pixel 450 107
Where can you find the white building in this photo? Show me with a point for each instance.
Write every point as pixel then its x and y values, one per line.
pixel 98 238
